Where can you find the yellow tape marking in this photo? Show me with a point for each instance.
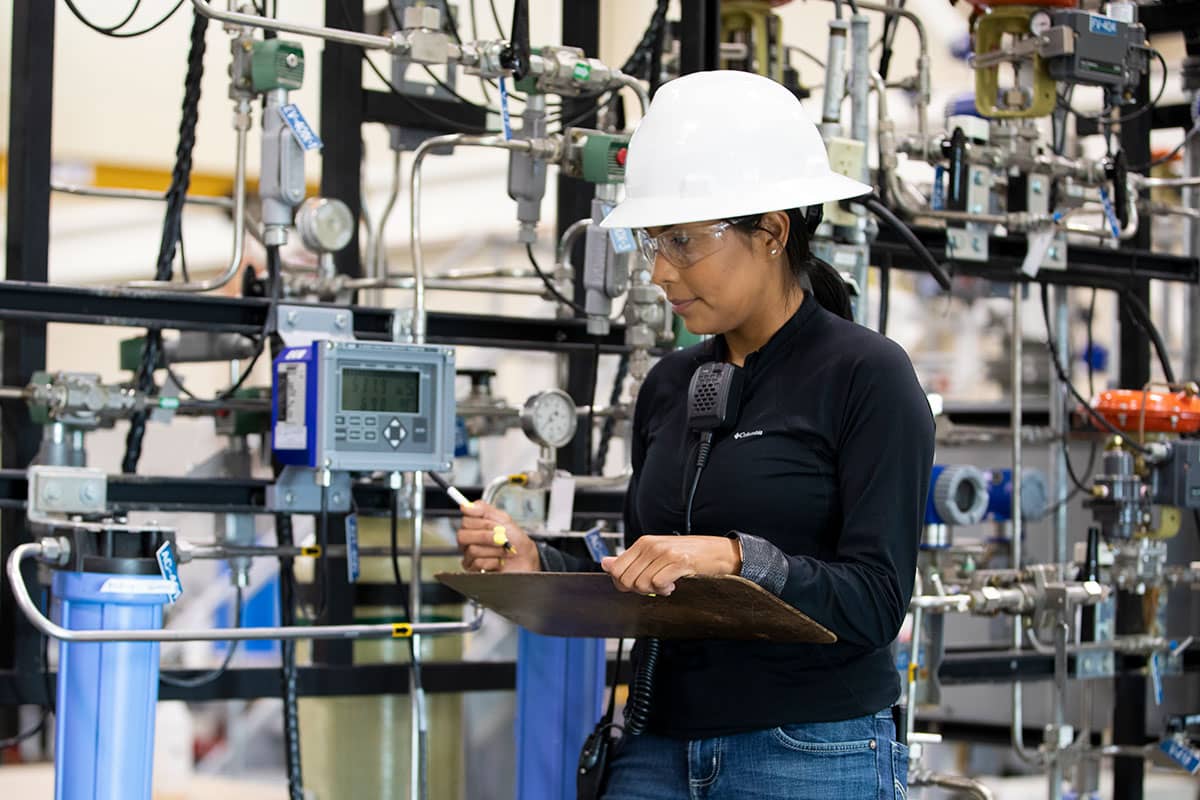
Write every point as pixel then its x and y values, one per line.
pixel 402 630
pixel 313 550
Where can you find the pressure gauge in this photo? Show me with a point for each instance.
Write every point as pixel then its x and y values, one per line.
pixel 548 418
pixel 1039 23
pixel 326 225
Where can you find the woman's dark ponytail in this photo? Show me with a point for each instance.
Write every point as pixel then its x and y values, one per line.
pixel 827 285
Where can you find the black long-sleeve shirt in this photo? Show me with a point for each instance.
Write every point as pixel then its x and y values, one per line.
pixel 824 479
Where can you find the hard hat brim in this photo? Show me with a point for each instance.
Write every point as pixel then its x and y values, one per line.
pixel 651 212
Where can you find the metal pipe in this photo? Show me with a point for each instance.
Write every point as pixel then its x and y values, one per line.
pixel 566 242
pixel 958 783
pixel 1166 183
pixel 1170 210
pixel 242 123
pixel 221 551
pixel 860 89
pixel 914 660
pixel 451 140
pixel 138 194
pixel 643 95
pixel 835 79
pixel 1059 421
pixel 417 719
pixel 363 40
pixel 960 603
pixel 378 267
pixel 379 631
pixel 1016 377
pixel 1054 771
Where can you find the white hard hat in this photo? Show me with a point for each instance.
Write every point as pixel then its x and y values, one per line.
pixel 722 144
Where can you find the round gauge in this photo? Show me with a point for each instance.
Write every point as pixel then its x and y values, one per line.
pixel 1039 23
pixel 548 418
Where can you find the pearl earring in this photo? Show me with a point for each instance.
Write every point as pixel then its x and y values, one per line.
pixel 775 252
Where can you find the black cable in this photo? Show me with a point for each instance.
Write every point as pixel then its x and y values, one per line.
pixel 1141 315
pixel 610 423
pixel 450 124
pixel 113 32
pixel 885 292
pixel 591 415
pixel 877 208
pixel 395 541
pixel 212 675
pixel 1102 117
pixel 172 216
pixel 13 741
pixel 323 540
pixel 1066 380
pixel 1164 159
pixel 641 688
pixel 496 19
pixel 287 672
pixel 550 287
pixel 112 29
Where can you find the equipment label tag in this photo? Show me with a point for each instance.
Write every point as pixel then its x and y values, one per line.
pixel 352 570
pixel 170 571
pixel 303 132
pixel 291 431
pixel 562 504
pixel 1105 26
pixel 1181 754
pixel 136 586
pixel 596 545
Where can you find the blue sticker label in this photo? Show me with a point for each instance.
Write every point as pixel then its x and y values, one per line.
pixel 596 545
pixel 352 570
pixel 1156 679
pixel 622 240
pixel 1178 751
pixel 169 569
pixel 303 132
pixel 1105 26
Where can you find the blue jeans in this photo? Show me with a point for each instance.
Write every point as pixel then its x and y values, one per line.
pixel 856 759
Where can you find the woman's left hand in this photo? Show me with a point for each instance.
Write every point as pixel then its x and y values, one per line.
pixel 654 563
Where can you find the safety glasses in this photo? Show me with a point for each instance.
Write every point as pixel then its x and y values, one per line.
pixel 684 246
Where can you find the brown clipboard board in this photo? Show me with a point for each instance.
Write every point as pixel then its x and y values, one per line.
pixel 587 604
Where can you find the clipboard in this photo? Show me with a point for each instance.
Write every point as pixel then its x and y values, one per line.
pixel 586 604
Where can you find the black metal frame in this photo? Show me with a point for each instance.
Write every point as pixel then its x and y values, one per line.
pixel 26 304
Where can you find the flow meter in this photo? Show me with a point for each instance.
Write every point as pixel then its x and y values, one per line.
pixel 364 406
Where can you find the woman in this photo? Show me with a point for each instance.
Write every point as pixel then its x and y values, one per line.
pixel 816 494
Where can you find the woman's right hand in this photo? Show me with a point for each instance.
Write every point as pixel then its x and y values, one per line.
pixel 477 542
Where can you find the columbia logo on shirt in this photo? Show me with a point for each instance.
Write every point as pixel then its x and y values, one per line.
pixel 747 434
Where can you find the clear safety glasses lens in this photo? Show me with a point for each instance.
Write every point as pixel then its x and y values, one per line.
pixel 683 247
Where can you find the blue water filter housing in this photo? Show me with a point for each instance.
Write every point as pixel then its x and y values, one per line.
pixel 107 691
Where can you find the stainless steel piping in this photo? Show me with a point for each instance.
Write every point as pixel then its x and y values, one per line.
pixel 242 123
pixel 378 631
pixel 138 194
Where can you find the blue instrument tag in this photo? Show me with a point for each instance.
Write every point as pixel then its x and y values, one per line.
pixel 1178 751
pixel 504 115
pixel 303 132
pixel 1105 26
pixel 352 568
pixel 169 569
pixel 596 545
pixel 1156 679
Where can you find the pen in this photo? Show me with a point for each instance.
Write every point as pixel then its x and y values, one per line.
pixel 450 490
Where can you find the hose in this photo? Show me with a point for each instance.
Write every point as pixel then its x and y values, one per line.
pixel 287 616
pixel 172 222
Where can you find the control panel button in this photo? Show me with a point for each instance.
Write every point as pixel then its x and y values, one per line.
pixel 339 434
pixel 356 420
pixel 370 436
pixel 372 421
pixel 395 432
pixel 356 436
pixel 339 420
pixel 420 431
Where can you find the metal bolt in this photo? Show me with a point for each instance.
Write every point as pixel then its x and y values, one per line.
pixel 87 493
pixel 291 60
pixel 978 178
pixel 291 319
pixel 977 208
pixel 289 498
pixel 976 245
pixel 337 498
pixel 340 321
pixel 51 493
pixel 1053 253
pixel 329 345
pixel 1036 186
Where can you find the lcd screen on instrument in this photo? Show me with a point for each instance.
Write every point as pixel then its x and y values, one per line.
pixel 388 391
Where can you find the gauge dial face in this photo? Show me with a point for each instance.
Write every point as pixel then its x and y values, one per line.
pixel 1039 23
pixel 549 418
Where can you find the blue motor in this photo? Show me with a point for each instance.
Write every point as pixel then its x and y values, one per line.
pixel 958 495
pixel 1035 495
